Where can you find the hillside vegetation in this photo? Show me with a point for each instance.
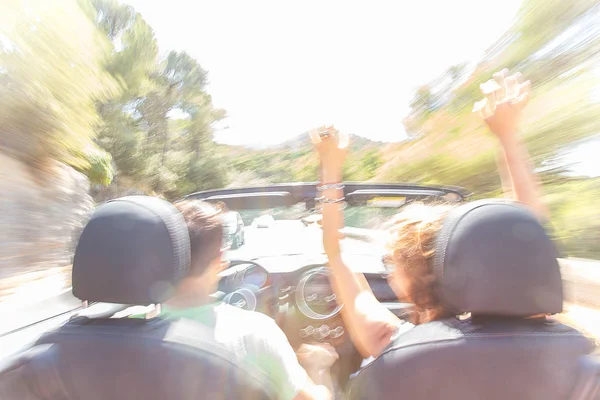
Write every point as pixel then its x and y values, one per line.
pixel 84 83
pixel 555 44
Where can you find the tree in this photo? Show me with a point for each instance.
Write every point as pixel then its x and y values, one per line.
pixel 555 44
pixel 424 101
pixel 156 152
pixel 456 72
pixel 51 75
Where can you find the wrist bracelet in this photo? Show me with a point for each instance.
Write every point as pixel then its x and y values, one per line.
pixel 327 186
pixel 333 201
pixel 342 203
pixel 320 201
pixel 326 200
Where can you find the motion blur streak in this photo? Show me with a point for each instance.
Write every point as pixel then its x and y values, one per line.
pixel 90 109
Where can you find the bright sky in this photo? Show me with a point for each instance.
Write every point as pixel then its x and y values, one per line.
pixel 584 158
pixel 280 68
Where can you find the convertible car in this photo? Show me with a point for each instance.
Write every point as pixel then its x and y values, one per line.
pixel 281 268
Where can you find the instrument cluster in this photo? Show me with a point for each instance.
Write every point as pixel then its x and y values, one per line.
pixel 315 297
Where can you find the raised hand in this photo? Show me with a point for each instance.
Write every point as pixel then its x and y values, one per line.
pixel 505 97
pixel 331 145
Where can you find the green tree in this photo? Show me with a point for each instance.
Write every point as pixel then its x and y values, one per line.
pixel 51 75
pixel 456 72
pixel 555 44
pixel 158 153
pixel 424 101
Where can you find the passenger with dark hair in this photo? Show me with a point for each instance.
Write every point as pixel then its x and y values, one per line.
pixel 133 251
pixel 252 336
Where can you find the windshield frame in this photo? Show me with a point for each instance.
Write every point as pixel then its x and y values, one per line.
pixel 356 193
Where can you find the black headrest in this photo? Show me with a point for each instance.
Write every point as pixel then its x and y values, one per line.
pixel 493 257
pixel 134 250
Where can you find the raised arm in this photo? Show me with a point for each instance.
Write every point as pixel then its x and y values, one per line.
pixel 370 324
pixel 505 98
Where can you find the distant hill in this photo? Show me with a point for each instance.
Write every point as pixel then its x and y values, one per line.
pixel 299 142
pixel 303 141
pixel 295 160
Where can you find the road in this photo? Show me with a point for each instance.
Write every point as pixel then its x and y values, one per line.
pixel 292 237
pixel 16 314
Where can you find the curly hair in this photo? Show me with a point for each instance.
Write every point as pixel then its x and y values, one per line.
pixel 412 237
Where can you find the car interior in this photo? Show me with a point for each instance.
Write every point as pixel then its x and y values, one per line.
pixel 492 348
pixel 496 289
pixel 134 250
pixel 504 346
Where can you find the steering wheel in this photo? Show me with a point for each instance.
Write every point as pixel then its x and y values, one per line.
pixel 250 297
pixel 253 298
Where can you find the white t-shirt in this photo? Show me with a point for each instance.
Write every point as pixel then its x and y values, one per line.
pixel 254 338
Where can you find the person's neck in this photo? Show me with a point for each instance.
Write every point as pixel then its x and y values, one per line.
pixel 190 293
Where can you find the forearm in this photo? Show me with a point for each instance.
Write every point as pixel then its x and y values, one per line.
pixel 525 186
pixel 504 175
pixel 361 310
pixel 332 217
pixel 348 291
pixel 344 281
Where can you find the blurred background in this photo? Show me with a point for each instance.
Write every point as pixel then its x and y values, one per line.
pixel 105 98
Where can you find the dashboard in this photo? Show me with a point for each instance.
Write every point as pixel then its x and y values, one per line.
pixel 295 290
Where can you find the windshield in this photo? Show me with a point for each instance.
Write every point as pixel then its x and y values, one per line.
pixel 230 218
pixel 362 217
pixel 294 230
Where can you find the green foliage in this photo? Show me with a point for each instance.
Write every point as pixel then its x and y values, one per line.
pixel 575 217
pixel 51 76
pixel 363 166
pixel 77 79
pixel 163 155
pixel 296 161
pixel 553 43
pixel 424 101
pixel 111 17
pixel 538 24
pixel 478 174
pixel 100 169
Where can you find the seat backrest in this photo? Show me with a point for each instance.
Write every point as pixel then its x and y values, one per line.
pixel 489 359
pixel 588 385
pixel 493 260
pixel 133 251
pixel 131 359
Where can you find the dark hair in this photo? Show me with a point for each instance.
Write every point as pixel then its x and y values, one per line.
pixel 205 226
